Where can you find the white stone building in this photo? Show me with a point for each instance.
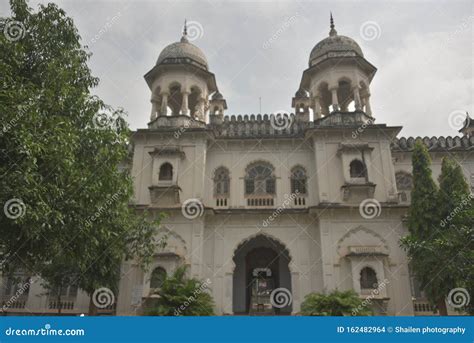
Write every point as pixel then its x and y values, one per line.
pixel 315 200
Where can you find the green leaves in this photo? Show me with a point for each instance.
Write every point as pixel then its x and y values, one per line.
pixel 180 296
pixel 336 303
pixel 441 239
pixel 61 162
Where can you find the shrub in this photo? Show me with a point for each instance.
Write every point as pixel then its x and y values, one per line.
pixel 334 304
pixel 182 296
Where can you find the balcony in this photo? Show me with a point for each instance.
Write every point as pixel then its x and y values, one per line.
pixel 260 202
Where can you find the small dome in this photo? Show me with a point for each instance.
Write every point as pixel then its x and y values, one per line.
pixel 217 96
pixel 334 43
pixel 183 51
pixel 302 93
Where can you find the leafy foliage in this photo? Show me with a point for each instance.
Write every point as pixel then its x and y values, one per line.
pixel 336 303
pixel 440 224
pixel 180 296
pixel 60 152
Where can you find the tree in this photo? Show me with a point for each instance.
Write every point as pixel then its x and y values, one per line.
pixel 455 243
pixel 440 229
pixel 423 223
pixel 336 303
pixel 67 203
pixel 182 296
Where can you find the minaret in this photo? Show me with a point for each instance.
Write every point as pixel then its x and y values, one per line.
pixel 180 84
pixel 338 77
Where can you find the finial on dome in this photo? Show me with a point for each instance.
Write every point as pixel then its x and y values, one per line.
pixel 184 39
pixel 333 31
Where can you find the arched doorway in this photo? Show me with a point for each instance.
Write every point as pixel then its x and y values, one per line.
pixel 260 261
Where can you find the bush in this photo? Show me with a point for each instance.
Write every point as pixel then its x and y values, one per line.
pixel 334 304
pixel 180 296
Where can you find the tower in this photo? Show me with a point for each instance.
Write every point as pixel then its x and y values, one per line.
pixel 180 82
pixel 338 76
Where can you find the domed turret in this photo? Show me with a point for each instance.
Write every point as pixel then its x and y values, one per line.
pixel 338 76
pixel 183 52
pixel 180 82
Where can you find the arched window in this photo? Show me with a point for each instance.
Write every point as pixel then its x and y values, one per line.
pixel 298 180
pixel 260 179
pixel 404 180
pixel 357 169
pixel 158 276
pixel 221 182
pixel 166 172
pixel 368 278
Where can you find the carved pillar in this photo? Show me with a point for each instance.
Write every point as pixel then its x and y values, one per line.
pixel 335 103
pixel 199 110
pixel 184 105
pixel 357 103
pixel 164 104
pixel 154 108
pixel 317 107
pixel 368 109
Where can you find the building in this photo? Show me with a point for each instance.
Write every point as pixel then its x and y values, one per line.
pixel 311 201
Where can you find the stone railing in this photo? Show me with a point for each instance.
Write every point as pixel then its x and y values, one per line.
pixel 434 143
pixel 258 126
pixel 423 308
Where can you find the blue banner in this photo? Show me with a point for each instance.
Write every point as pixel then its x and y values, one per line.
pixel 237 329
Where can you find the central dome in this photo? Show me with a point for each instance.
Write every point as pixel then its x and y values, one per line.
pixel 334 43
pixel 183 52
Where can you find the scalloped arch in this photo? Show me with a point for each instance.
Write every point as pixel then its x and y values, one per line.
pixel 219 167
pixel 364 229
pixel 255 235
pixel 174 234
pixel 255 162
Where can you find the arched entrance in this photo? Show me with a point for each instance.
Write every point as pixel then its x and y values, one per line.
pixel 260 263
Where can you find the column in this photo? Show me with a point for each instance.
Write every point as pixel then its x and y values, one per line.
pixel 335 103
pixel 317 108
pixel 184 105
pixel 368 109
pixel 357 104
pixel 154 108
pixel 164 104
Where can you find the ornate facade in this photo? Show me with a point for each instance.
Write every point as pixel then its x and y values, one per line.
pixel 315 199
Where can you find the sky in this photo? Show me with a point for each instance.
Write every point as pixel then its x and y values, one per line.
pixel 423 51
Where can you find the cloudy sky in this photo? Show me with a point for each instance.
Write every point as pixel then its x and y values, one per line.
pixel 423 51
